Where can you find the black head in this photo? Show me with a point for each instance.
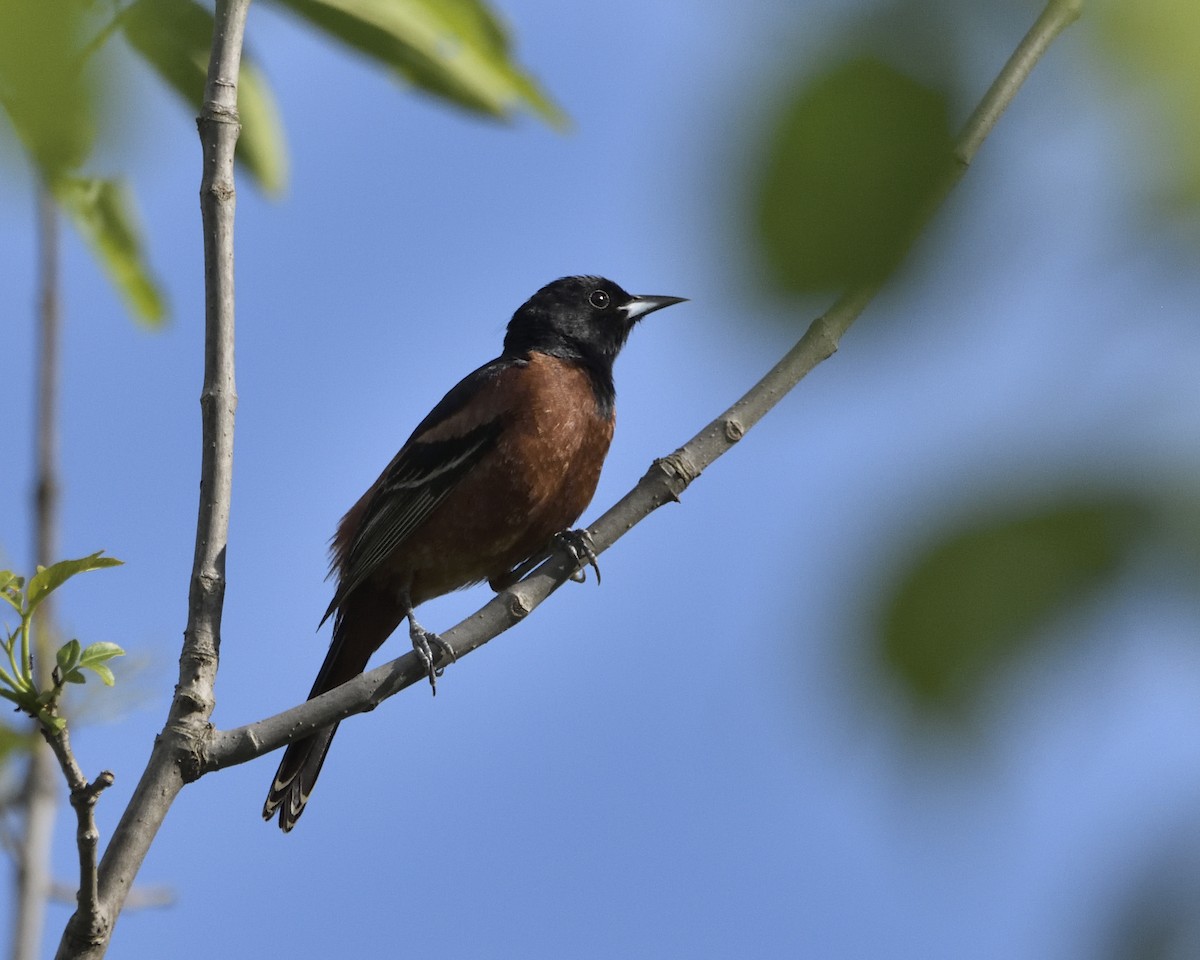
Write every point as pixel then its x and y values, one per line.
pixel 586 319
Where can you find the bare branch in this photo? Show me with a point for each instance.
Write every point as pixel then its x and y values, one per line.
pixel 87 837
pixel 174 750
pixel 667 478
pixel 40 793
pixel 1054 19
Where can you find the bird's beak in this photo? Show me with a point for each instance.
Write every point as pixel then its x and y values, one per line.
pixel 638 307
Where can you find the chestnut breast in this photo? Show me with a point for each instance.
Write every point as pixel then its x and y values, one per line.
pixel 536 481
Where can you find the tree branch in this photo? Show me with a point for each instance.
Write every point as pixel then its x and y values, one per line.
pixel 87 838
pixel 187 749
pixel 666 479
pixel 187 721
pixel 40 792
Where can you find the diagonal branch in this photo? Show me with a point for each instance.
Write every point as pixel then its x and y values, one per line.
pixel 667 478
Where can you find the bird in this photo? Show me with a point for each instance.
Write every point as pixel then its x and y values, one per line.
pixel 506 462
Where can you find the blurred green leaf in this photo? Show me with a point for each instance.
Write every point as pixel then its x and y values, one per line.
pixel 175 37
pixel 261 147
pixel 975 600
pixel 1154 914
pixel 1158 43
pixel 10 588
pixel 13 741
pixel 103 213
pixel 49 579
pixel 455 49
pixel 853 162
pixel 44 87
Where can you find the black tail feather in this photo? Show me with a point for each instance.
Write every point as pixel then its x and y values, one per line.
pixel 362 623
pixel 296 777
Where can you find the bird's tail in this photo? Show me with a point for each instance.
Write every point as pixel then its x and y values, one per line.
pixel 296 776
pixel 359 629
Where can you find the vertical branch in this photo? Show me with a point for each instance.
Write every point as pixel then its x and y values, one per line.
pixel 219 127
pixel 46 485
pixel 174 759
pixel 83 799
pixel 39 792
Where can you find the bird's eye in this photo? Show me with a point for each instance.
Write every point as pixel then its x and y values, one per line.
pixel 598 299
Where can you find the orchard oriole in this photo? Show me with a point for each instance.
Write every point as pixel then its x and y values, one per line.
pixel 507 460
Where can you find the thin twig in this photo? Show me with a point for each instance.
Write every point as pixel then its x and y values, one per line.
pixel 87 837
pixel 174 752
pixel 663 483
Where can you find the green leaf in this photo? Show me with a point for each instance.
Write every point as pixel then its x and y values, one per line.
pixel 103 213
pixel 49 579
pixel 10 588
pixel 454 49
pixel 67 656
pixel 94 657
pixel 851 167
pixel 261 147
pixel 1153 44
pixel 14 682
pixel 103 672
pixel 976 599
pixel 13 741
pixel 175 37
pixel 74 676
pixel 47 94
pixel 95 653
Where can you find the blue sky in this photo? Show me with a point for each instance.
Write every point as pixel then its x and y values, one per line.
pixel 694 759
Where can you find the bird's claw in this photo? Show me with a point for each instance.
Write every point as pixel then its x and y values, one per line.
pixel 423 643
pixel 579 544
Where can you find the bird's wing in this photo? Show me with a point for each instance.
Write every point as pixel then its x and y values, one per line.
pixel 455 436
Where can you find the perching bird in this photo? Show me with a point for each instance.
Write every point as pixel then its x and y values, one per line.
pixel 506 461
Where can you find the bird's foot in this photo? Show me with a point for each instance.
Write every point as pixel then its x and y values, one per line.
pixel 423 643
pixel 579 544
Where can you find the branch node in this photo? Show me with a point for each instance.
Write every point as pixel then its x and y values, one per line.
pixel 212 584
pixel 734 430
pixel 213 112
pixel 680 470
pixel 518 609
pixel 223 190
pixel 89 793
pixel 190 750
